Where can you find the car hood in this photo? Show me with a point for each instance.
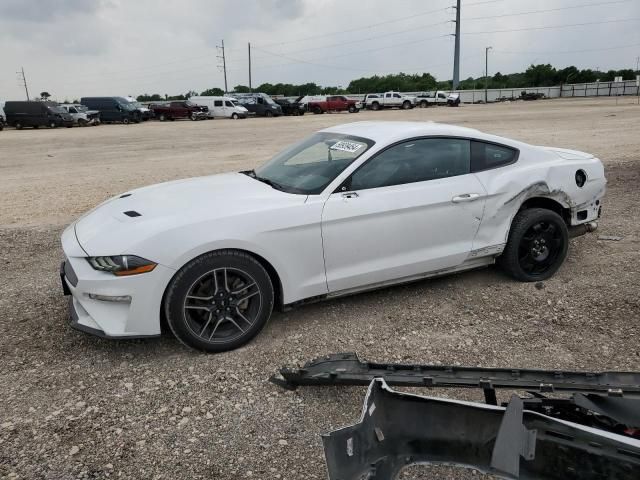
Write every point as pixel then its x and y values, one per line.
pixel 122 224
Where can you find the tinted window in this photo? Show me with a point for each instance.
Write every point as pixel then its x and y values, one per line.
pixel 217 103
pixel 414 161
pixel 395 95
pixel 485 156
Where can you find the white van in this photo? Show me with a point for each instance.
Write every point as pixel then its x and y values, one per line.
pixel 225 107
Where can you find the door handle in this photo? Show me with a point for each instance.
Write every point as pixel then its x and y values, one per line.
pixel 465 197
pixel 350 195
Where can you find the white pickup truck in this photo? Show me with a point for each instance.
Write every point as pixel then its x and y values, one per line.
pixel 438 98
pixel 376 101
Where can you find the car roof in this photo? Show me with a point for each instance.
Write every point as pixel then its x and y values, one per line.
pixel 391 131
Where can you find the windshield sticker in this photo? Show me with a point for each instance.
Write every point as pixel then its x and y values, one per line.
pixel 346 146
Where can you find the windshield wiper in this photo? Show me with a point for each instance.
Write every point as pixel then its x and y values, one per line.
pixel 271 183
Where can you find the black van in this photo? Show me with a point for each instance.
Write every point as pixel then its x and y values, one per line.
pixel 36 114
pixel 258 104
pixel 113 109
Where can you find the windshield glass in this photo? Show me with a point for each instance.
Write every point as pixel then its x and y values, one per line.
pixel 309 166
pixel 57 109
pixel 81 108
pixel 235 103
pixel 269 100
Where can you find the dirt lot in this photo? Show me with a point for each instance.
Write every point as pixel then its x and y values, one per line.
pixel 74 406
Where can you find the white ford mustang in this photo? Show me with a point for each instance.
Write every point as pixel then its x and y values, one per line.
pixel 350 208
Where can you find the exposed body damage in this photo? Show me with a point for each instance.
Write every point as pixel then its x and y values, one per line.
pixel 591 434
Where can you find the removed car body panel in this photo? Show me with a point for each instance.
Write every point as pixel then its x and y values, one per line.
pixel 399 429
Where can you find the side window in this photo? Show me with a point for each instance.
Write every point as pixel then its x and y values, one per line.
pixel 387 95
pixel 217 103
pixel 72 110
pixel 442 95
pixel 414 161
pixel 396 95
pixel 227 103
pixel 485 156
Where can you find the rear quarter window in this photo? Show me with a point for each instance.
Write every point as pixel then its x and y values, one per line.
pixel 486 156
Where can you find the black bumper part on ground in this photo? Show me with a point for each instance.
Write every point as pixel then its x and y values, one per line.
pixel 398 429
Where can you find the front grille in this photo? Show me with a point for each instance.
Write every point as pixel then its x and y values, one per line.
pixel 70 274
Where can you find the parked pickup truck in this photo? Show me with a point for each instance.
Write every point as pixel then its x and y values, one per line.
pixel 336 103
pixel 179 109
pixel 376 101
pixel 438 98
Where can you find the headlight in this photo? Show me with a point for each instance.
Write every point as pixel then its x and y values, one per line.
pixel 122 265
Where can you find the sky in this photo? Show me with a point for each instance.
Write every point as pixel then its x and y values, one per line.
pixel 75 48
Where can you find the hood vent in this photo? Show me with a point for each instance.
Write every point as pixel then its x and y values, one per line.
pixel 132 213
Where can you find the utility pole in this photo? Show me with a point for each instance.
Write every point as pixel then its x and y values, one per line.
pixel 224 67
pixel 486 73
pixel 456 53
pixel 23 80
pixel 250 89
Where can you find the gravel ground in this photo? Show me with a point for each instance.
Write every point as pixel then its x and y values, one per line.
pixel 74 406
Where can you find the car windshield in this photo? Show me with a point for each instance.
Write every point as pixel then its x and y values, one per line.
pixel 57 109
pixel 269 100
pixel 81 108
pixel 235 103
pixel 309 166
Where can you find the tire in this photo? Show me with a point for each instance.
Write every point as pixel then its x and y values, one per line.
pixel 53 125
pixel 424 104
pixel 268 114
pixel 194 117
pixel 18 125
pixel 82 122
pixel 125 121
pixel 234 116
pixel 406 105
pixel 375 106
pixel 352 109
pixel 537 245
pixel 203 314
pixel 162 117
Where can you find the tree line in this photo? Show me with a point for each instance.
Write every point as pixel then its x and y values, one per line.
pixel 541 75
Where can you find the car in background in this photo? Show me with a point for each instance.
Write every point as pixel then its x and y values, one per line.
pixel 113 109
pixel 334 103
pixel 438 98
pixel 2 117
pixel 258 104
pixel 36 114
pixel 1 122
pixel 82 116
pixel 145 112
pixel 377 101
pixel 221 107
pixel 179 109
pixel 290 107
pixel 351 208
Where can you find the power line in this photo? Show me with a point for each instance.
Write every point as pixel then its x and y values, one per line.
pixel 548 27
pixel 560 52
pixel 585 5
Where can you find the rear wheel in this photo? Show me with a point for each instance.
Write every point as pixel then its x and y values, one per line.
pixel 125 120
pixel 268 114
pixel 537 245
pixel 424 104
pixel 219 301
pixel 82 122
pixel 162 117
pixel 53 125
pixel 18 125
pixel 317 110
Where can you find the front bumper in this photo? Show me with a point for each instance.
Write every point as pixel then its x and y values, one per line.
pixel 108 306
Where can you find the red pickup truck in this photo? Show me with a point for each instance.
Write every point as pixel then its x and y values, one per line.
pixel 336 103
pixel 179 109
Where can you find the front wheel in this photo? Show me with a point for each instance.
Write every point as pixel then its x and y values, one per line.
pixel 125 121
pixel 53 125
pixel 194 117
pixel 268 114
pixel 352 109
pixel 234 116
pixel 424 104
pixel 537 245
pixel 406 105
pixel 375 106
pixel 219 301
pixel 162 117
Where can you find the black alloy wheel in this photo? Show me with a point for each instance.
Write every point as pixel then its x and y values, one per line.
pixel 219 301
pixel 537 246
